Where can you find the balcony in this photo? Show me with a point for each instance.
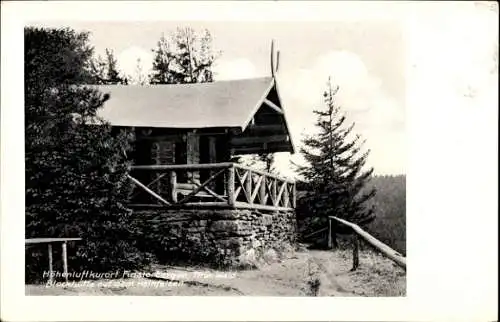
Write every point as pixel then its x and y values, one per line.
pixel 224 185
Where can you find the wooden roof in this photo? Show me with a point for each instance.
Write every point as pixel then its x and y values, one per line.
pixel 238 104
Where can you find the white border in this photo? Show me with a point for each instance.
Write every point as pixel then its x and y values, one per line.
pixel 451 186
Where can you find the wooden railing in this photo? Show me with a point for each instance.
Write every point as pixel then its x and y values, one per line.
pixel 49 241
pixel 388 252
pixel 210 185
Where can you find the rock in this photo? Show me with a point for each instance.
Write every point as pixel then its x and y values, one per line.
pixel 224 226
pixel 270 256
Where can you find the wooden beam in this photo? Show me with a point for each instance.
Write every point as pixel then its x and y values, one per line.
pixel 248 187
pixel 151 192
pixel 264 173
pixel 256 188
pixel 51 270
pixel 265 127
pixel 262 191
pixel 383 248
pixel 171 137
pixel 149 184
pixel 244 205
pixel 212 149
pixel 280 193
pixel 48 240
pixel 261 149
pixel 286 197
pixel 173 185
pixel 273 106
pixel 183 166
pixel 201 186
pixel 355 253
pixel 65 261
pixel 259 139
pixel 314 233
pixel 231 198
pixel 330 244
pixel 210 192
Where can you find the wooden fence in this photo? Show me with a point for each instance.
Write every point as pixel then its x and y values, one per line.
pixel 49 242
pixel 208 185
pixel 360 233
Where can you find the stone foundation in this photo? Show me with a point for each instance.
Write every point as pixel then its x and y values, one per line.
pixel 221 237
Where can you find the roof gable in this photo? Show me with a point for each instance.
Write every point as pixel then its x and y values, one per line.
pixel 201 105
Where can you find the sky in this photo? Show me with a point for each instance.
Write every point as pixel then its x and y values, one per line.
pixel 365 58
pixel 451 80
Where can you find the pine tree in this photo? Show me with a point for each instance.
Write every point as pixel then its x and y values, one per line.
pixel 268 160
pixel 76 184
pixel 105 70
pixel 139 77
pixel 185 56
pixel 264 162
pixel 335 174
pixel 163 62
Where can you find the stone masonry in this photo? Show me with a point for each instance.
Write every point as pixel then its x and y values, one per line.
pixel 221 237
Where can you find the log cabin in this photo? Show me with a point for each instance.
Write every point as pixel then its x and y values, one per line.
pixel 188 135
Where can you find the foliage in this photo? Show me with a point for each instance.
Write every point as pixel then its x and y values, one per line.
pixel 76 184
pixel 185 56
pixel 105 71
pixel 264 162
pixel 334 174
pixel 139 77
pixel 390 202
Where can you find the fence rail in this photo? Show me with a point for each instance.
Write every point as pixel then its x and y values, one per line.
pixel 383 248
pixel 49 241
pixel 210 185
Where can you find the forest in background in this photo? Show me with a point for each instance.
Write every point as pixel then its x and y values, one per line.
pixel 91 169
pixel 389 225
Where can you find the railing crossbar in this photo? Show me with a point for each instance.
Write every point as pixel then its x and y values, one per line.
pixel 261 190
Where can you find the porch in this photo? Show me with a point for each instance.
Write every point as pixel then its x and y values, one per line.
pixel 224 185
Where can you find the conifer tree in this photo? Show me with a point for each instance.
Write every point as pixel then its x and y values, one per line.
pixel 268 160
pixel 185 56
pixel 335 174
pixel 139 77
pixel 105 70
pixel 76 184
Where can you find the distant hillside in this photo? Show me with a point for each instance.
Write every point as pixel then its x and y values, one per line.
pixel 390 207
pixel 390 202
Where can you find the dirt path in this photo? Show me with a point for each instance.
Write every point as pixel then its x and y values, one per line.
pixel 308 273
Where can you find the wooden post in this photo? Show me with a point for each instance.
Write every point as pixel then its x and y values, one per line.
pixel 294 195
pixel 386 250
pixel 51 270
pixel 193 154
pixel 262 192
pixel 230 186
pixel 330 246
pixel 273 193
pixel 355 252
pixel 248 186
pixel 335 244
pixel 286 198
pixel 65 261
pixel 173 186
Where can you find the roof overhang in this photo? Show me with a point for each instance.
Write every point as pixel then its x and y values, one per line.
pixel 266 130
pixel 250 109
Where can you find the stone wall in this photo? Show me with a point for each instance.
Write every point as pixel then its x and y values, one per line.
pixel 220 237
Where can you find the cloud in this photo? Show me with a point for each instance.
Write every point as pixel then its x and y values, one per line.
pixel 127 60
pixel 234 69
pixel 379 118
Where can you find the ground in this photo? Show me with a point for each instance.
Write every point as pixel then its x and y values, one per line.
pixel 306 273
